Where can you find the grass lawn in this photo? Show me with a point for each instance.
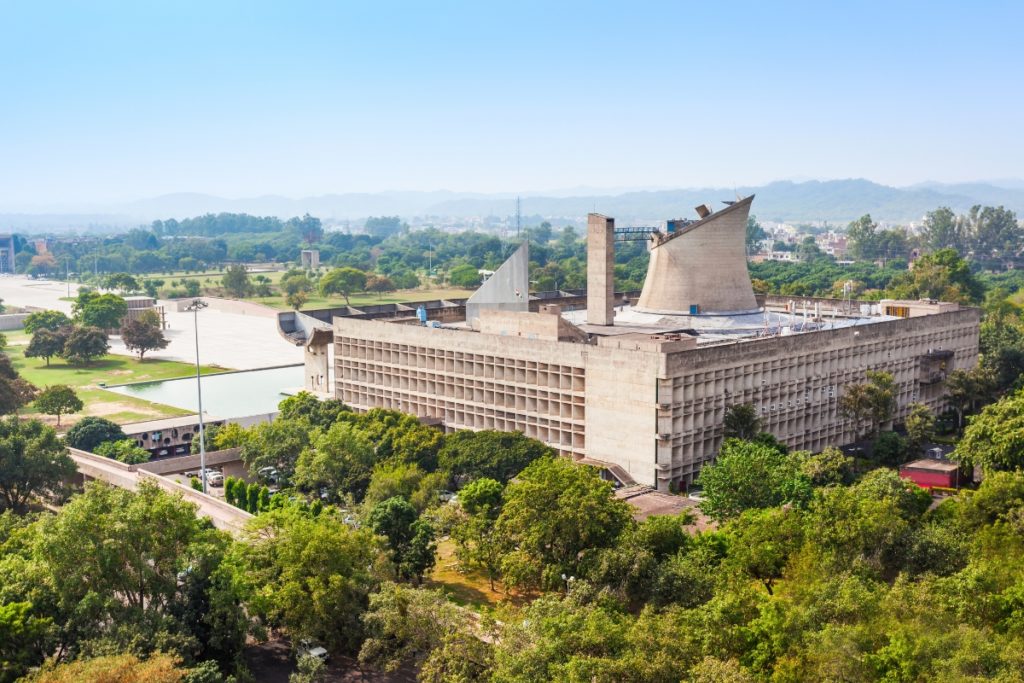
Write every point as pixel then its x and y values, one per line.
pixel 470 589
pixel 86 381
pixel 368 299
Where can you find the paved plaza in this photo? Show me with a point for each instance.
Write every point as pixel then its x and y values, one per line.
pixel 237 335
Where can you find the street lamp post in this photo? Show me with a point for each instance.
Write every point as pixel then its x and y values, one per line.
pixel 196 306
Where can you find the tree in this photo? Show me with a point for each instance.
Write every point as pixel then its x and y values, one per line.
pixel 309 227
pixel 742 422
pixel 340 459
pixel 942 275
pixel 943 230
pixel 33 462
pixel 383 226
pixel 994 438
pixel 295 282
pixel 103 311
pixel 831 466
pixel 749 475
pixel 862 234
pixel 306 406
pixel 125 570
pixel 143 335
pixel 297 300
pixel 120 668
pixel 85 344
pixel 276 444
pixel 46 320
pixel 22 639
pixel 465 276
pixel 390 479
pixel 422 628
pixel 478 544
pixel 920 426
pixel 123 282
pixel 965 389
pixel 410 538
pixel 90 432
pixel 467 455
pixel 379 284
pixel 125 450
pixel 236 281
pixel 555 513
pixel 343 281
pixel 755 235
pixel 871 403
pixel 47 343
pixel 58 400
pixel 762 541
pixel 310 575
pixel 15 392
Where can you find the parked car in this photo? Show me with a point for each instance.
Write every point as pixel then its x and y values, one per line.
pixel 311 649
pixel 214 479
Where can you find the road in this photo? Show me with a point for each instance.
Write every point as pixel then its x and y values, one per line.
pixel 223 515
pixel 240 337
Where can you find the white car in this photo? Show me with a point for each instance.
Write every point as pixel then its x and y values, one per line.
pixel 308 649
pixel 214 479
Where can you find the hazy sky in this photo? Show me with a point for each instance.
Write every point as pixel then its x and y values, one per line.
pixel 121 100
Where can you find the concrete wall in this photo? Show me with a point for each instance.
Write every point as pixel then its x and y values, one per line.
pixel 655 408
pixel 704 265
pixel 12 321
pixel 600 269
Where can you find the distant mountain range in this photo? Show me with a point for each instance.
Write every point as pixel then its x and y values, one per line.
pixel 836 201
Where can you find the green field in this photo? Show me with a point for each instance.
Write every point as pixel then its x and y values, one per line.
pixel 87 381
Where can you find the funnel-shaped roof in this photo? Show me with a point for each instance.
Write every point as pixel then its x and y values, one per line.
pixel 507 290
pixel 702 267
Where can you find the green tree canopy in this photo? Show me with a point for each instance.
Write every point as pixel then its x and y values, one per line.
pixel 125 450
pixel 994 439
pixel 85 344
pixel 46 320
pixel 47 343
pixel 103 311
pixel 555 512
pixel 90 432
pixel 310 575
pixel 33 462
pixel 342 281
pixel 58 400
pixel 487 453
pixel 142 335
pixel 750 475
pixel 236 281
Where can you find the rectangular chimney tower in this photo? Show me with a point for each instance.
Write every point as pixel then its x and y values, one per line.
pixel 600 269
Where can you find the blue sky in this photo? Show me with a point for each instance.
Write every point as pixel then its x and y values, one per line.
pixel 110 101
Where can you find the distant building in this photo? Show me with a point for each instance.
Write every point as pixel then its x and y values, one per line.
pixel 7 254
pixel 310 259
pixel 138 305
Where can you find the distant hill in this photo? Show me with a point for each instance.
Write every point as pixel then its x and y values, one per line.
pixel 838 201
pixel 832 200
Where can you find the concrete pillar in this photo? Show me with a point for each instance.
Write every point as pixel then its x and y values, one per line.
pixel 600 269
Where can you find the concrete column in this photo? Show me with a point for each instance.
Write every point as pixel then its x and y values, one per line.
pixel 600 269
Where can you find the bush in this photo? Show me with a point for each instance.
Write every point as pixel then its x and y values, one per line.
pixel 90 432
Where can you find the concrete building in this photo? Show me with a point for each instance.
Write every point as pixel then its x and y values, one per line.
pixel 643 389
pixel 7 264
pixel 310 258
pixel 138 305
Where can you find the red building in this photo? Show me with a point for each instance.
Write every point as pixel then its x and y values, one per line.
pixel 929 473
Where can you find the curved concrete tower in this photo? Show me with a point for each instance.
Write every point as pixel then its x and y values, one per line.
pixel 701 267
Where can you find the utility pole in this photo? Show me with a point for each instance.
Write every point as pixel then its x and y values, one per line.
pixel 195 307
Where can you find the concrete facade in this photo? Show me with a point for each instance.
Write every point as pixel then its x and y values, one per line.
pixel 701 268
pixel 651 404
pixel 600 269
